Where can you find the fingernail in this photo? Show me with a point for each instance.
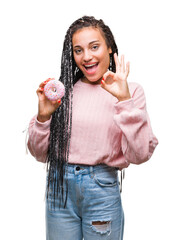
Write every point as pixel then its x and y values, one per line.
pixel 59 100
pixel 102 81
pixel 45 82
pixel 41 89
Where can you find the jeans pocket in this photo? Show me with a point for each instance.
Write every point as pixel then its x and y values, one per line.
pixel 106 178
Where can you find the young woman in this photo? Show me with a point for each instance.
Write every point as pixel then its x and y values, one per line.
pixel 100 126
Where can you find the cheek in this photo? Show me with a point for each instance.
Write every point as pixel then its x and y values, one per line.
pixel 106 61
pixel 104 57
pixel 77 60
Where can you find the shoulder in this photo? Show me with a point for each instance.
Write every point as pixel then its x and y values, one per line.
pixel 133 87
pixel 137 93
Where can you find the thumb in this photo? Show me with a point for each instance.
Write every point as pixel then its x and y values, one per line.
pixel 107 80
pixel 59 101
pixel 108 74
pixel 104 85
pixel 56 103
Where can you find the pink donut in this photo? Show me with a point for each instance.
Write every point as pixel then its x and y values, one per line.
pixel 54 90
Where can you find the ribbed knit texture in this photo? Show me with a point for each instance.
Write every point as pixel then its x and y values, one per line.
pixel 103 129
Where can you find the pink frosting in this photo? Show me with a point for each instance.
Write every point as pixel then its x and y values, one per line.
pixel 54 90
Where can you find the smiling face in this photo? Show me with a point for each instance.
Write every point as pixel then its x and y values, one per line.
pixel 91 53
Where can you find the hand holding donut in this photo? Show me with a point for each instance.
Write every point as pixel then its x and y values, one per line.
pixel 116 83
pixel 49 93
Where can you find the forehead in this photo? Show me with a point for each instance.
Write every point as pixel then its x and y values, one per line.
pixel 86 35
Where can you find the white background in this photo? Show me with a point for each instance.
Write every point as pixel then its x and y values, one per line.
pixel 151 35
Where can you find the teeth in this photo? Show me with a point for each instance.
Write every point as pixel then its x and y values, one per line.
pixel 90 65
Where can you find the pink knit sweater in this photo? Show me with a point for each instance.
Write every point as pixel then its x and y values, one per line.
pixel 103 129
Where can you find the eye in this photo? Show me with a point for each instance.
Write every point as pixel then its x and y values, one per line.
pixel 77 51
pixel 95 47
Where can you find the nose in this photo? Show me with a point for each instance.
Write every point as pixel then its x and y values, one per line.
pixel 87 56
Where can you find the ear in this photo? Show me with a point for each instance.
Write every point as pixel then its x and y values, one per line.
pixel 110 50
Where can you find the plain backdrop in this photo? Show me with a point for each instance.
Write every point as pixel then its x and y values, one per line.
pixel 151 36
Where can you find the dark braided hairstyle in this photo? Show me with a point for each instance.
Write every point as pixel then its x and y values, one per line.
pixel 61 123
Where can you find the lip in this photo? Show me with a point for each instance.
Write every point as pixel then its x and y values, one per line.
pixel 93 70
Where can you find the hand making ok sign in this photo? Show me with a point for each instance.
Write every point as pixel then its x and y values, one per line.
pixel 116 83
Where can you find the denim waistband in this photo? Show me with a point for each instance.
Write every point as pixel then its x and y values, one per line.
pixel 86 169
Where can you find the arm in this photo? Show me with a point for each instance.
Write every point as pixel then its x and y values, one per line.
pixel 38 140
pixel 39 127
pixel 138 140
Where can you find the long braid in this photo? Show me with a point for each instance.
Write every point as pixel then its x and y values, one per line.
pixel 61 123
pixel 60 129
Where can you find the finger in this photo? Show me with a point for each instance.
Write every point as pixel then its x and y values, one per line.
pixel 103 82
pixel 127 69
pixel 56 103
pixel 45 82
pixel 122 63
pixel 118 65
pixel 109 77
pixel 108 74
pixel 59 102
pixel 40 90
pixel 105 86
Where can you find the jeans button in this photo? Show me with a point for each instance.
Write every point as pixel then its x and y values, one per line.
pixel 77 168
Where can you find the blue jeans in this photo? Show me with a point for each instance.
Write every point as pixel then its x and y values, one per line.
pixel 94 209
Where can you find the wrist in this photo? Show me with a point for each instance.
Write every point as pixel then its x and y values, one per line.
pixel 43 118
pixel 120 99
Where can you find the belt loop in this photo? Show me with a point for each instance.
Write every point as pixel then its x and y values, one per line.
pixel 91 169
pixel 122 177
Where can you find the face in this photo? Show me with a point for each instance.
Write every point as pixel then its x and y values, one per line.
pixel 91 53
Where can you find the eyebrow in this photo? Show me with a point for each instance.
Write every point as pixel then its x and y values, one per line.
pixel 94 41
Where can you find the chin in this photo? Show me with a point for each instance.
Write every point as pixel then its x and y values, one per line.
pixel 93 80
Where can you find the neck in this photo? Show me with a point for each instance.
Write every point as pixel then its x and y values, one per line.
pixel 85 80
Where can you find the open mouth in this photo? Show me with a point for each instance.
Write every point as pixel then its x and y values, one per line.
pixel 91 68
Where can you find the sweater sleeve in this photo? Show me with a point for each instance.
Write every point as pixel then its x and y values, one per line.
pixel 138 141
pixel 38 140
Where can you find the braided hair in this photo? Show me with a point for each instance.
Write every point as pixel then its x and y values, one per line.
pixel 61 123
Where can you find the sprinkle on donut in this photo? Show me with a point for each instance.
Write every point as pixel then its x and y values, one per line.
pixel 54 90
